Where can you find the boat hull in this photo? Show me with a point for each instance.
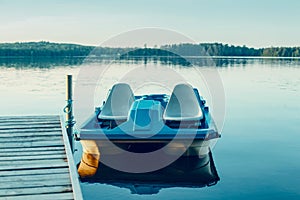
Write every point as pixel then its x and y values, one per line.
pixel 196 147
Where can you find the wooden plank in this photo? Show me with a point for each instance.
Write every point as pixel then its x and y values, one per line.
pixel 27 126
pixel 31 144
pixel 30 130
pixel 36 157
pixel 31 139
pixel 44 126
pixel 42 165
pixel 56 196
pixel 73 170
pixel 29 172
pixel 35 184
pixel 33 166
pixel 22 140
pixel 31 153
pixel 30 117
pixel 40 177
pixel 42 122
pixel 33 149
pixel 27 122
pixel 30 134
pixel 13 138
pixel 29 162
pixel 40 190
pixel 19 121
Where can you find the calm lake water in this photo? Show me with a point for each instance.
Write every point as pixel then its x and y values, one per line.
pixel 257 156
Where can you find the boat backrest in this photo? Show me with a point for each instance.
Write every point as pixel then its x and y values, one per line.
pixel 183 105
pixel 118 103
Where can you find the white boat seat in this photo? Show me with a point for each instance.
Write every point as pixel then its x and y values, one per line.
pixel 118 103
pixel 183 105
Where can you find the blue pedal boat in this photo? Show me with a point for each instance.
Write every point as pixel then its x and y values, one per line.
pixel 179 123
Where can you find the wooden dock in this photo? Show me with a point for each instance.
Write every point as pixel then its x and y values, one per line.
pixel 36 161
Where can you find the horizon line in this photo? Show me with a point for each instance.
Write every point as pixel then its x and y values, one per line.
pixel 93 45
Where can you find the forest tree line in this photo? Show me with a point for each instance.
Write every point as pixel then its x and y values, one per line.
pixel 218 49
pixel 49 49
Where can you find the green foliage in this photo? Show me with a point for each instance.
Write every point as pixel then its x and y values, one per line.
pixel 281 52
pixel 212 49
pixel 48 49
pixel 218 49
pixel 43 49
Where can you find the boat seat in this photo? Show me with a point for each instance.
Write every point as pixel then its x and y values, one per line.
pixel 183 105
pixel 118 103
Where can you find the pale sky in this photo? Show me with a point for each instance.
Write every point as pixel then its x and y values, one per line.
pixel 255 23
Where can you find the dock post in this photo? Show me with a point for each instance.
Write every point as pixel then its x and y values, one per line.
pixel 69 111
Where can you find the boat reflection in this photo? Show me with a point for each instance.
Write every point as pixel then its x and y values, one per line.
pixel 192 172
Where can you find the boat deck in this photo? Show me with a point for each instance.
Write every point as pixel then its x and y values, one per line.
pixel 36 160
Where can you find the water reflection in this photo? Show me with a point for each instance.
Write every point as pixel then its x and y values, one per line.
pixel 188 61
pixel 50 62
pixel 187 172
pixel 39 62
pixel 153 55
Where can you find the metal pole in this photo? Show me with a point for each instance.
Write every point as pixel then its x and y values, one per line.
pixel 69 111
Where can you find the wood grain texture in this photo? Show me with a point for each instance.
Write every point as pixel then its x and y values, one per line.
pixel 34 159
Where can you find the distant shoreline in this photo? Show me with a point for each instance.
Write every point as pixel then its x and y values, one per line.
pixel 190 57
pixel 217 50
